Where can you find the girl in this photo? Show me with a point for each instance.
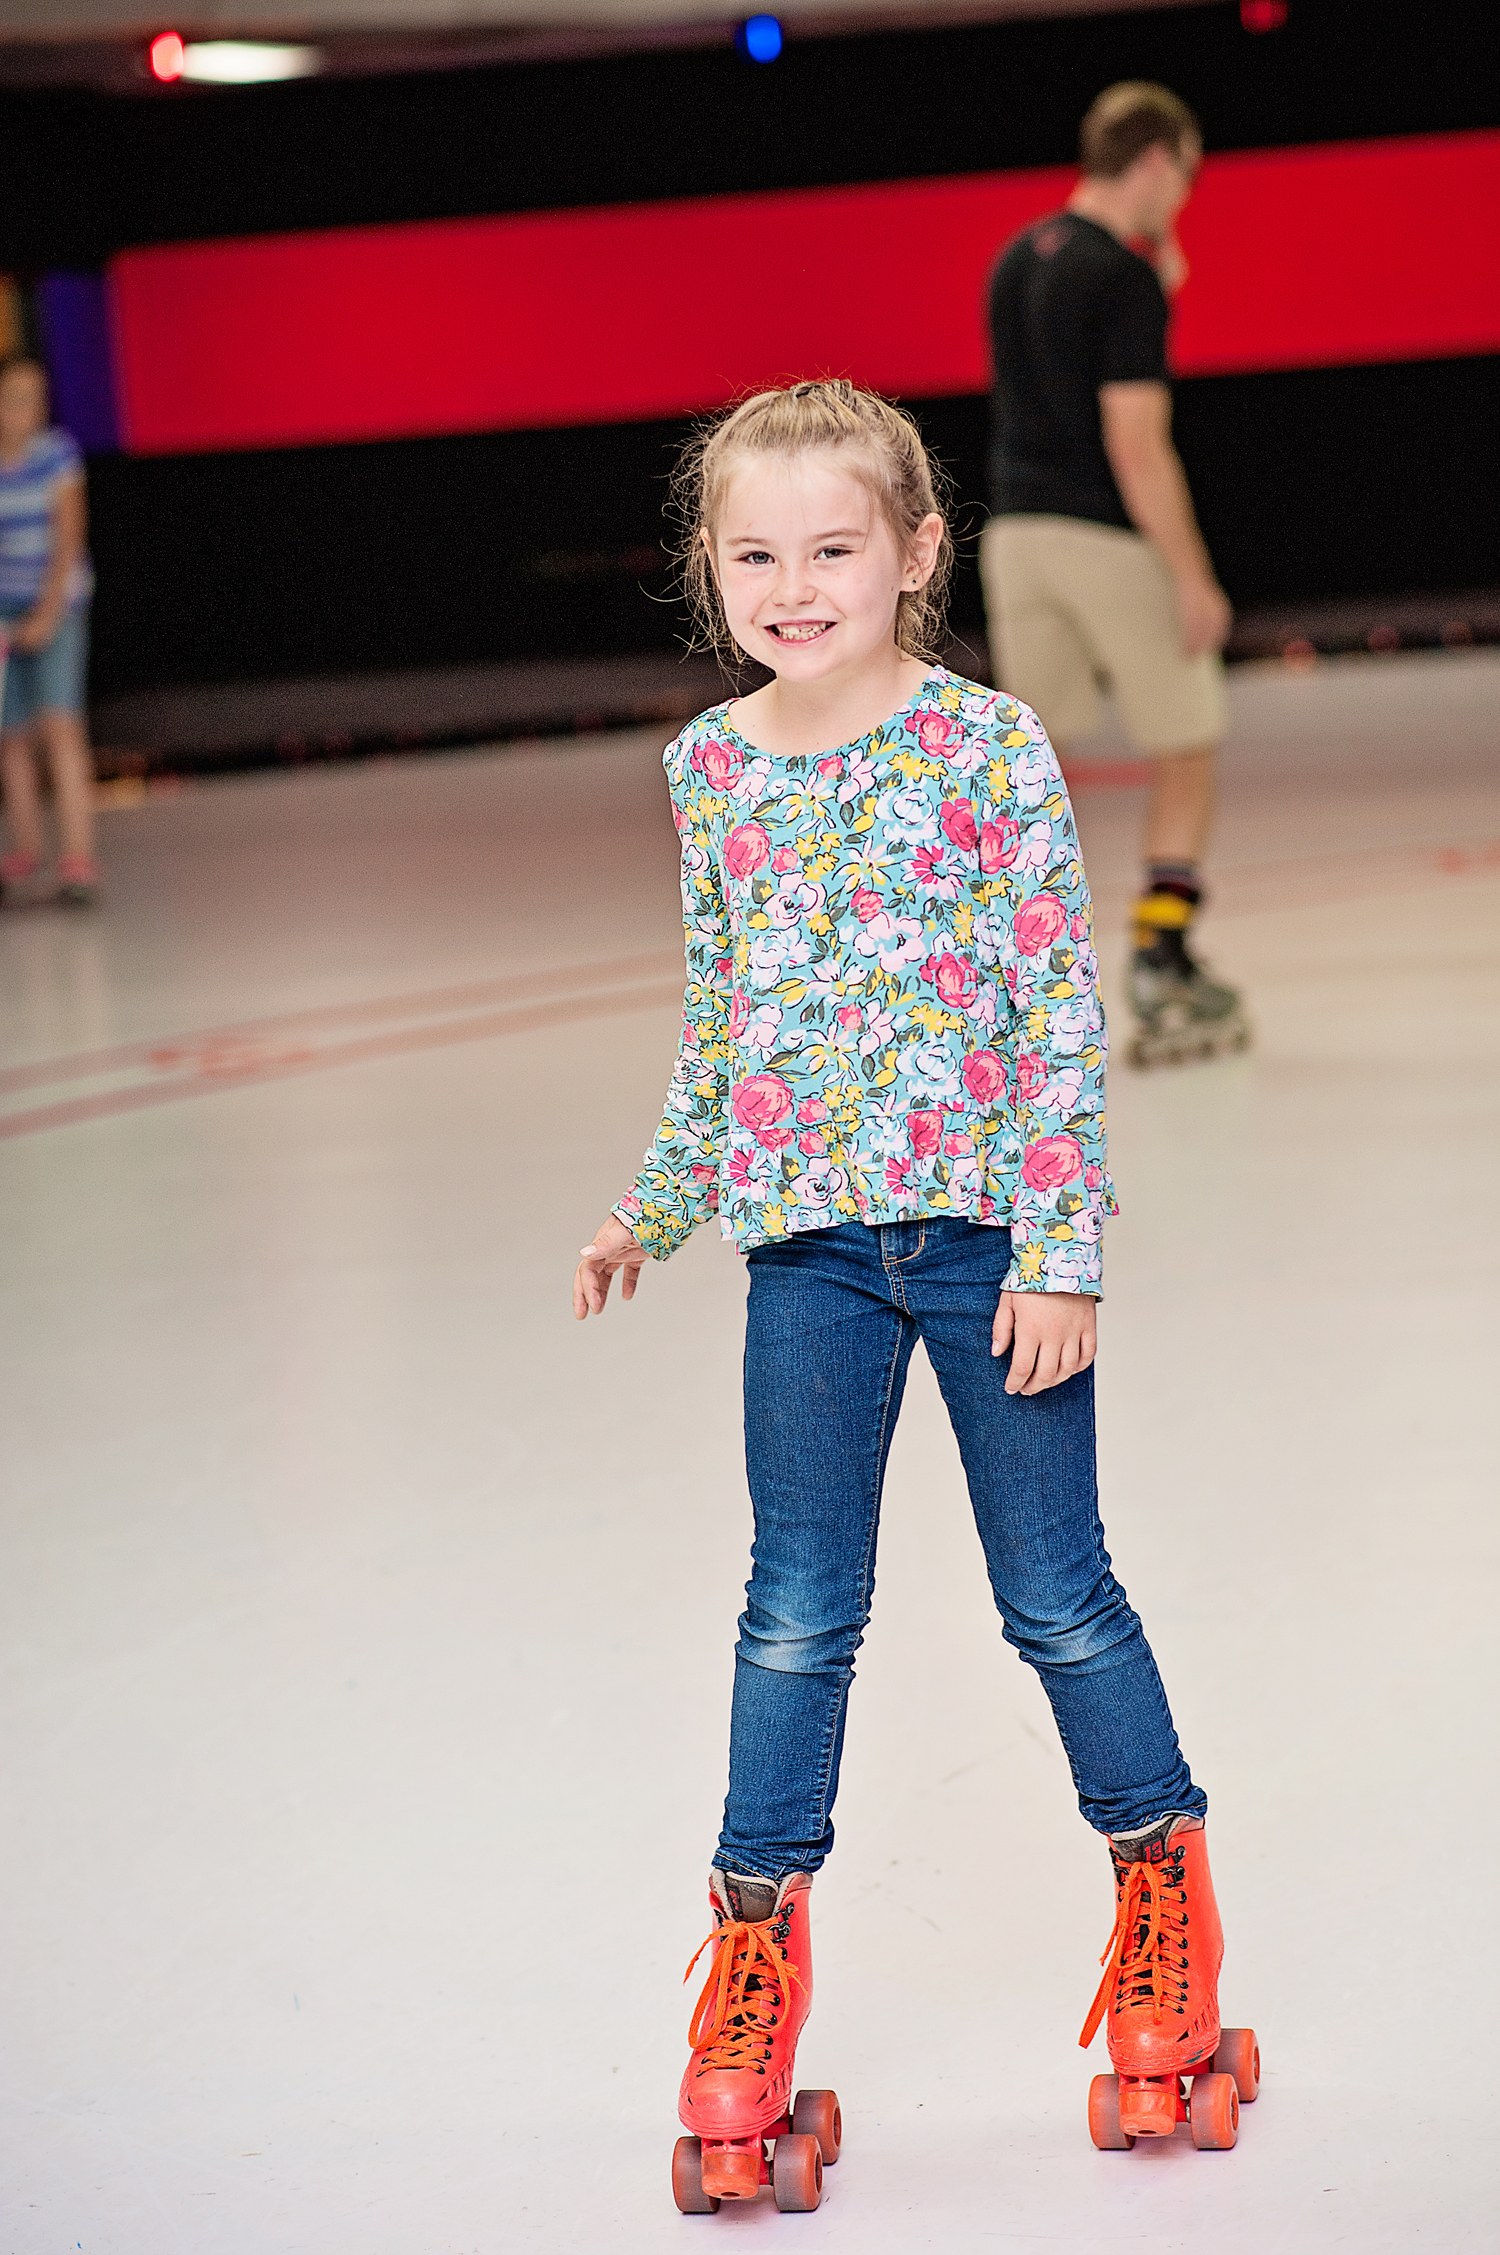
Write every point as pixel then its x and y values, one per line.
pixel 45 585
pixel 890 1089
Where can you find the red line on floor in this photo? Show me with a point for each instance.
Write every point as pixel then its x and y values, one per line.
pixel 405 1042
pixel 522 987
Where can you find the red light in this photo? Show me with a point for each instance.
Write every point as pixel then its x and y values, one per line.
pixel 1263 15
pixel 168 56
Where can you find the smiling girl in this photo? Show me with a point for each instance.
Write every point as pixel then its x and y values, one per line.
pixel 890 1089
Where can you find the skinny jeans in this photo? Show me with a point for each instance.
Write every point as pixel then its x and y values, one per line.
pixel 833 1317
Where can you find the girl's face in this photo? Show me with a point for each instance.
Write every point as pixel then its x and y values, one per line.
pixel 808 567
pixel 23 404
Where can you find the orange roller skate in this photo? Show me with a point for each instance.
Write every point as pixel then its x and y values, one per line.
pixel 1160 1993
pixel 737 2091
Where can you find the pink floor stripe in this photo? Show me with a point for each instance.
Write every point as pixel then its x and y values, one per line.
pixel 406 1041
pixel 441 1001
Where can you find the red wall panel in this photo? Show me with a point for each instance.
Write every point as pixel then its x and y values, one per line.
pixel 1301 258
pixel 1363 251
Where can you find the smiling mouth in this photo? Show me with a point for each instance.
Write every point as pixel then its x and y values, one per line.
pixel 801 630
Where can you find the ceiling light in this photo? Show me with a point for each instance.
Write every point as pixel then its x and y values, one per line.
pixel 759 39
pixel 165 55
pixel 244 62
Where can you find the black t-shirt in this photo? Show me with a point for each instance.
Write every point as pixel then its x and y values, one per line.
pixel 1070 309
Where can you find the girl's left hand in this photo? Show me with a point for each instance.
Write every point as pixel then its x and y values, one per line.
pixel 1051 1337
pixel 612 1248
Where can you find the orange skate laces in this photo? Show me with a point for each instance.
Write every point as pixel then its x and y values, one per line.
pixel 1146 1955
pixel 743 1998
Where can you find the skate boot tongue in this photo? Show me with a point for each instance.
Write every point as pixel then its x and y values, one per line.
pixel 749 1899
pixel 1149 1846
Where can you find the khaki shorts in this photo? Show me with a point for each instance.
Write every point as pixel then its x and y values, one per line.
pixel 1076 610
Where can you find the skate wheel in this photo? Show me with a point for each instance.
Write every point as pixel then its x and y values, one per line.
pixel 817 2114
pixel 797 2173
pixel 1239 2055
pixel 687 2179
pixel 1104 2115
pixel 1214 2112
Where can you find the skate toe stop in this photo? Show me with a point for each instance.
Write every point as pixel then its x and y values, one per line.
pixel 730 2173
pixel 1148 2109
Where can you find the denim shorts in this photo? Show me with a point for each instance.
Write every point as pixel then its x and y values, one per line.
pixel 52 679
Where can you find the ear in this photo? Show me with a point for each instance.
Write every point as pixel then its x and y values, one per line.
pixel 713 561
pixel 922 555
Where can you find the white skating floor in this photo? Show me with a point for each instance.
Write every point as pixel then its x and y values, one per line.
pixel 367 1624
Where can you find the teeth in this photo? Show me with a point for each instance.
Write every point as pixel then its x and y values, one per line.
pixel 801 633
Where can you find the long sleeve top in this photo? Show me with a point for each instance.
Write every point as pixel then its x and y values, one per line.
pixel 891 1007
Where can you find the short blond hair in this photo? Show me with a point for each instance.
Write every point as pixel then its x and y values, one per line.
pixel 1128 119
pixel 885 452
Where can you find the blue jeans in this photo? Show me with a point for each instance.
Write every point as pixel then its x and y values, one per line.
pixel 833 1318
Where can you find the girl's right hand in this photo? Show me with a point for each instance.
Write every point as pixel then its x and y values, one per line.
pixel 611 1248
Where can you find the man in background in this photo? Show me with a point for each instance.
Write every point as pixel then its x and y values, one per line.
pixel 1095 573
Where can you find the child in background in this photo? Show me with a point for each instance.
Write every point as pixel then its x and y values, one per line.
pixel 890 1088
pixel 45 584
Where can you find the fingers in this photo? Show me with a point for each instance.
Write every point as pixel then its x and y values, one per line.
pixel 590 1283
pixel 612 1248
pixel 1003 1326
pixel 1025 1347
pixel 1054 1339
pixel 1205 616
pixel 1039 1360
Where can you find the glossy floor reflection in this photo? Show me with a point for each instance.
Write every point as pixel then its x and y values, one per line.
pixel 367 1624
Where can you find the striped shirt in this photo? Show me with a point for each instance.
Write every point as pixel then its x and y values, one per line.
pixel 28 490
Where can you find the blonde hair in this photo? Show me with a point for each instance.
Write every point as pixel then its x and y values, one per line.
pixel 885 452
pixel 1126 120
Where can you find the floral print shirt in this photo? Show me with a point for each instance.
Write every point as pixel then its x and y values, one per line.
pixel 891 1004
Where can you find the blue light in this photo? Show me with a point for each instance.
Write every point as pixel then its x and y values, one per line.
pixel 760 39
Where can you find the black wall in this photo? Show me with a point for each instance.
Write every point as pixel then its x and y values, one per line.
pixel 1331 482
